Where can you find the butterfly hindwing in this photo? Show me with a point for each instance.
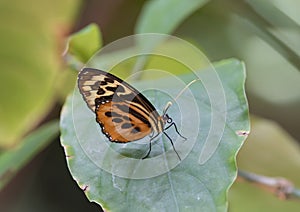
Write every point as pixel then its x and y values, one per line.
pixel 123 113
pixel 119 125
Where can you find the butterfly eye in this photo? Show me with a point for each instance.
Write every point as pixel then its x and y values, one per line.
pixel 168 119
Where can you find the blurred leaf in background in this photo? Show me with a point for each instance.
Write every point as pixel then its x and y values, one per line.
pixel 13 160
pixel 269 151
pixel 31 40
pixel 264 34
pixel 85 43
pixel 177 11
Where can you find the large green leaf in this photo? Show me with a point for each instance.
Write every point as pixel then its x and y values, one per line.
pixel 114 176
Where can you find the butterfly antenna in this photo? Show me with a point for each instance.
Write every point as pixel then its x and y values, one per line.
pixel 186 87
pixel 169 104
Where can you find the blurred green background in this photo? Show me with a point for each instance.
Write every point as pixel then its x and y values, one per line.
pixel 35 80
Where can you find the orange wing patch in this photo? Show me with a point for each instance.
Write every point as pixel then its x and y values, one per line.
pixel 121 123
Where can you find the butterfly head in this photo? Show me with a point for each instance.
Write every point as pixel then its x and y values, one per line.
pixel 167 119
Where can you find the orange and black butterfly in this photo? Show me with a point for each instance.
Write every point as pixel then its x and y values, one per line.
pixel 123 113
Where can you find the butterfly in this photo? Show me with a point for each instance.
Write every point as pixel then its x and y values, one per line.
pixel 123 113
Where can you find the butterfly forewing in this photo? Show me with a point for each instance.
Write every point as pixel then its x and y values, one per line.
pixel 123 113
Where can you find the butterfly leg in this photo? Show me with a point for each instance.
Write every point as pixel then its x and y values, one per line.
pixel 173 124
pixel 172 144
pixel 148 151
pixel 150 146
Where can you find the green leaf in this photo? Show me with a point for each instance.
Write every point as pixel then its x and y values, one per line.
pixel 85 43
pixel 114 176
pixel 29 61
pixel 156 15
pixel 14 159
